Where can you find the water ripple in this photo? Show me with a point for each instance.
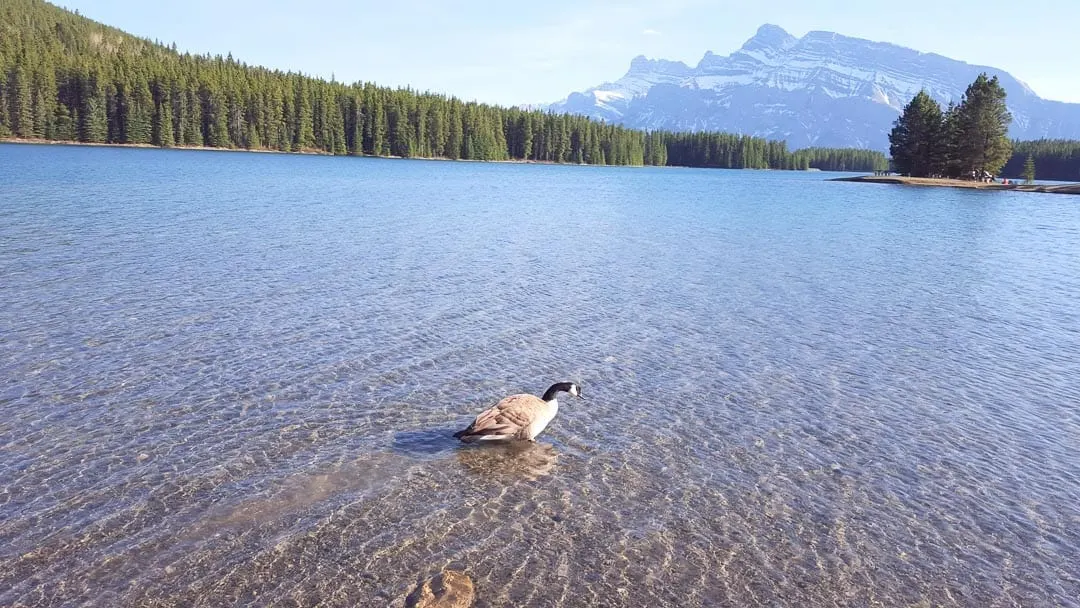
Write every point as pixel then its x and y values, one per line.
pixel 232 379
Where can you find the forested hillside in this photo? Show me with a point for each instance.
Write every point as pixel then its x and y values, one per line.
pixel 69 78
pixel 1057 159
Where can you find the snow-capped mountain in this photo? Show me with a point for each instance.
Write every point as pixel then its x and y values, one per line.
pixel 823 89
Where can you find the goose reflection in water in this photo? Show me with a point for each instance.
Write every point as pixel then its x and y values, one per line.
pixel 507 461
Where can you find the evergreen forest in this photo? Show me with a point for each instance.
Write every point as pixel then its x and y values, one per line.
pixel 1054 159
pixel 68 78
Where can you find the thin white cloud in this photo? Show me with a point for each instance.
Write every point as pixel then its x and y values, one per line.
pixel 583 44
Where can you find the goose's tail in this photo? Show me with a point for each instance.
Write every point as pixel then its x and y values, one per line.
pixel 471 435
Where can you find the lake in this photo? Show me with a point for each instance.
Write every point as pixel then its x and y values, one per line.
pixel 232 378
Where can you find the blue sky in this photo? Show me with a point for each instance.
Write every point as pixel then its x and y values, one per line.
pixel 531 52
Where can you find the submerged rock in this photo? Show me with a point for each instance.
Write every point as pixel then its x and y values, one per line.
pixel 448 589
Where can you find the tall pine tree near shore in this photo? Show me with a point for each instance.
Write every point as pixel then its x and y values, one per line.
pixel 983 124
pixel 916 141
pixel 19 98
pixel 93 123
pixel 1029 169
pixel 161 129
pixel 950 129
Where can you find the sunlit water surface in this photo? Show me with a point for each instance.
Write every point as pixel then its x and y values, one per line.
pixel 232 378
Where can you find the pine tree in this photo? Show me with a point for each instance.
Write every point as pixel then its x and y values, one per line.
pixel 577 153
pixel 305 126
pixel 5 130
pixel 1029 169
pixel 252 140
pixel 355 127
pixel 379 146
pixel 916 141
pixel 93 124
pixel 983 121
pixel 162 128
pixel 335 128
pixel 400 142
pixel 276 135
pixel 236 126
pixel 176 101
pixel 436 131
pixel 287 135
pixel 320 118
pixel 215 119
pixel 455 137
pixel 63 127
pixel 192 119
pixel 19 97
pixel 43 99
pixel 526 135
pixel 563 140
pixel 418 119
pixel 592 154
pixel 950 126
pixel 138 113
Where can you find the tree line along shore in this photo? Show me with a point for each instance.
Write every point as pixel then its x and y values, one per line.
pixel 68 78
pixel 64 77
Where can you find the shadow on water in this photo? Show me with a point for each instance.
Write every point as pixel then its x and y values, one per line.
pixel 299 492
pixel 425 444
pixel 308 494
pixel 509 461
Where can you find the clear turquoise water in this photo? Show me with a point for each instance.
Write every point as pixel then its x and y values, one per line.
pixel 232 378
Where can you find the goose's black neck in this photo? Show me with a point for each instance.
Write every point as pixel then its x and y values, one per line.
pixel 558 387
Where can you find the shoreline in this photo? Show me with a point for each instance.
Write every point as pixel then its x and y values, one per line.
pixel 316 152
pixel 932 182
pixel 307 152
pixel 102 144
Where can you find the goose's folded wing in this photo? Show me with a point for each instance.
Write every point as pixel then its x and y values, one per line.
pixel 508 416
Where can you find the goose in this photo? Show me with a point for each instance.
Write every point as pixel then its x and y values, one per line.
pixel 518 416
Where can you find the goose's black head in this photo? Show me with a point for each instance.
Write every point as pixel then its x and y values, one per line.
pixel 562 387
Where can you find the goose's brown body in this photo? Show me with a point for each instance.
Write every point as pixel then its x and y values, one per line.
pixel 515 417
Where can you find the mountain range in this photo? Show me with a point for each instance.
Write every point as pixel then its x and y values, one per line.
pixel 823 89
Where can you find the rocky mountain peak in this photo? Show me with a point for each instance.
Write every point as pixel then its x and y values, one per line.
pixel 771 36
pixel 823 89
pixel 643 65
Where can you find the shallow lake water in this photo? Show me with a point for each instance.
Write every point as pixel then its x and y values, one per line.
pixel 233 378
